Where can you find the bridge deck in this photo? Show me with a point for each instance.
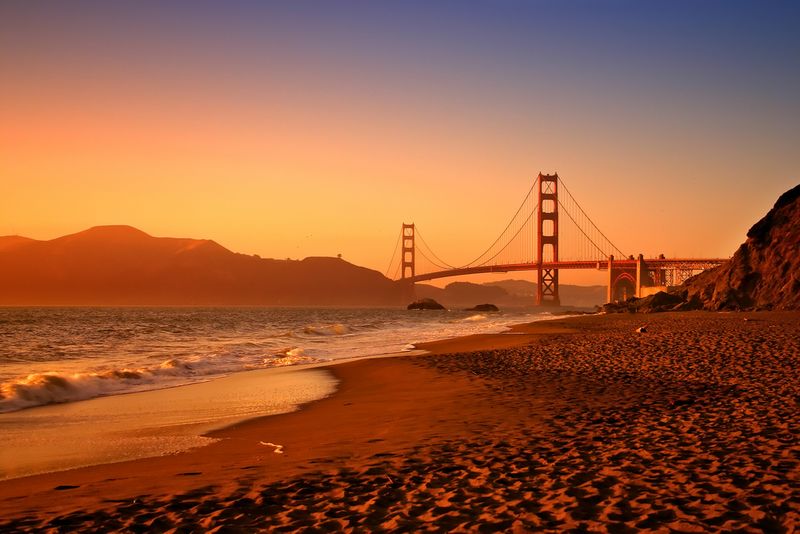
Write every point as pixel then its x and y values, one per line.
pixel 651 263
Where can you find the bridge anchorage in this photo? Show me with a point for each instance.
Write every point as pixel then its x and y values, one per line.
pixel 549 232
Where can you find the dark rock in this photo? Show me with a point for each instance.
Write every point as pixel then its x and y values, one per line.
pixel 484 308
pixel 661 301
pixel 425 304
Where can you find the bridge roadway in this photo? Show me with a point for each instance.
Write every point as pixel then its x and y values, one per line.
pixel 695 264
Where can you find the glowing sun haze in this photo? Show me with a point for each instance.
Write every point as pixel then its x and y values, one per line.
pixel 296 129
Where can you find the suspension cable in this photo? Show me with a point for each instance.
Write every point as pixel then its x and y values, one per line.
pixel 522 227
pixel 499 237
pixel 561 180
pixel 581 230
pixel 396 247
pixel 422 239
pixel 443 267
pixel 440 263
pixel 524 200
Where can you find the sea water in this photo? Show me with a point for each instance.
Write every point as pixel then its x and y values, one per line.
pixel 231 363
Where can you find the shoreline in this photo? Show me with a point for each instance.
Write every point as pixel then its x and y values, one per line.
pixel 517 335
pixel 68 389
pixel 482 406
pixel 164 432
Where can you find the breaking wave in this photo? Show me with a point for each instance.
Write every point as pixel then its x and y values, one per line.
pixel 39 389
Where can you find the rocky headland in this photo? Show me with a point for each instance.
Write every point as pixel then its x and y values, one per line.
pixel 763 274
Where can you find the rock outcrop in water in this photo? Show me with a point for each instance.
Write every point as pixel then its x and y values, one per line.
pixel 425 304
pixel 764 273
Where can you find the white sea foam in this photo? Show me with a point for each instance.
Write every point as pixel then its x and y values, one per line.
pixel 52 387
pixel 292 356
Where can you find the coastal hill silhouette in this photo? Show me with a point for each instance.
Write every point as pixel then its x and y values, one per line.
pixel 121 265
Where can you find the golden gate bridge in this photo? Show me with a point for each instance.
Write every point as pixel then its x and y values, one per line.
pixel 550 231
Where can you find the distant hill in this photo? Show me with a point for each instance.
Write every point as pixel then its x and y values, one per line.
pixel 509 293
pixel 120 265
pixel 570 295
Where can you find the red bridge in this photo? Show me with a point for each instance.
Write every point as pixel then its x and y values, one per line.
pixel 531 242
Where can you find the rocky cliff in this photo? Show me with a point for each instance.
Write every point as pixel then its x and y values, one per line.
pixel 763 274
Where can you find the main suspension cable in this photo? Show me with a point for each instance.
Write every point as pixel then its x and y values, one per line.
pixel 422 239
pixel 522 227
pixel 524 200
pixel 396 247
pixel 589 218
pixel 443 267
pixel 602 252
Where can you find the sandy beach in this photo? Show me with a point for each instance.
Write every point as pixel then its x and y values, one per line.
pixel 579 423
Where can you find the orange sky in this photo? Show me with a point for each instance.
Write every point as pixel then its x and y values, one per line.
pixel 323 142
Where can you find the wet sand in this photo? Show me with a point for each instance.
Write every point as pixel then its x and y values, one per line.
pixel 571 424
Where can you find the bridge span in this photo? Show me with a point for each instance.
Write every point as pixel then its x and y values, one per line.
pixel 525 246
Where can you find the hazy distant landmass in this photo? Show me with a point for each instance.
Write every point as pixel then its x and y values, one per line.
pixel 120 265
pixel 509 293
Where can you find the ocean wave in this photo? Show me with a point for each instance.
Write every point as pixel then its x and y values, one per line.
pixel 292 356
pixel 197 353
pixel 473 318
pixel 337 329
pixel 54 387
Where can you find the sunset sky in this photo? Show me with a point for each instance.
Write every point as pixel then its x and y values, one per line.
pixel 300 128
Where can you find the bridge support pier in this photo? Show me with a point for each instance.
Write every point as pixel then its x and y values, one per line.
pixel 547 289
pixel 639 268
pixel 408 258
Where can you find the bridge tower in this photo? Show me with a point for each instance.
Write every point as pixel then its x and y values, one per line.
pixel 408 257
pixel 547 235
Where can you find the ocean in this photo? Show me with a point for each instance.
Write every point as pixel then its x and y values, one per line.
pixel 84 385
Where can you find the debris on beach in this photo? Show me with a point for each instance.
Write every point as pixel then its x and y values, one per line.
pixel 278 448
